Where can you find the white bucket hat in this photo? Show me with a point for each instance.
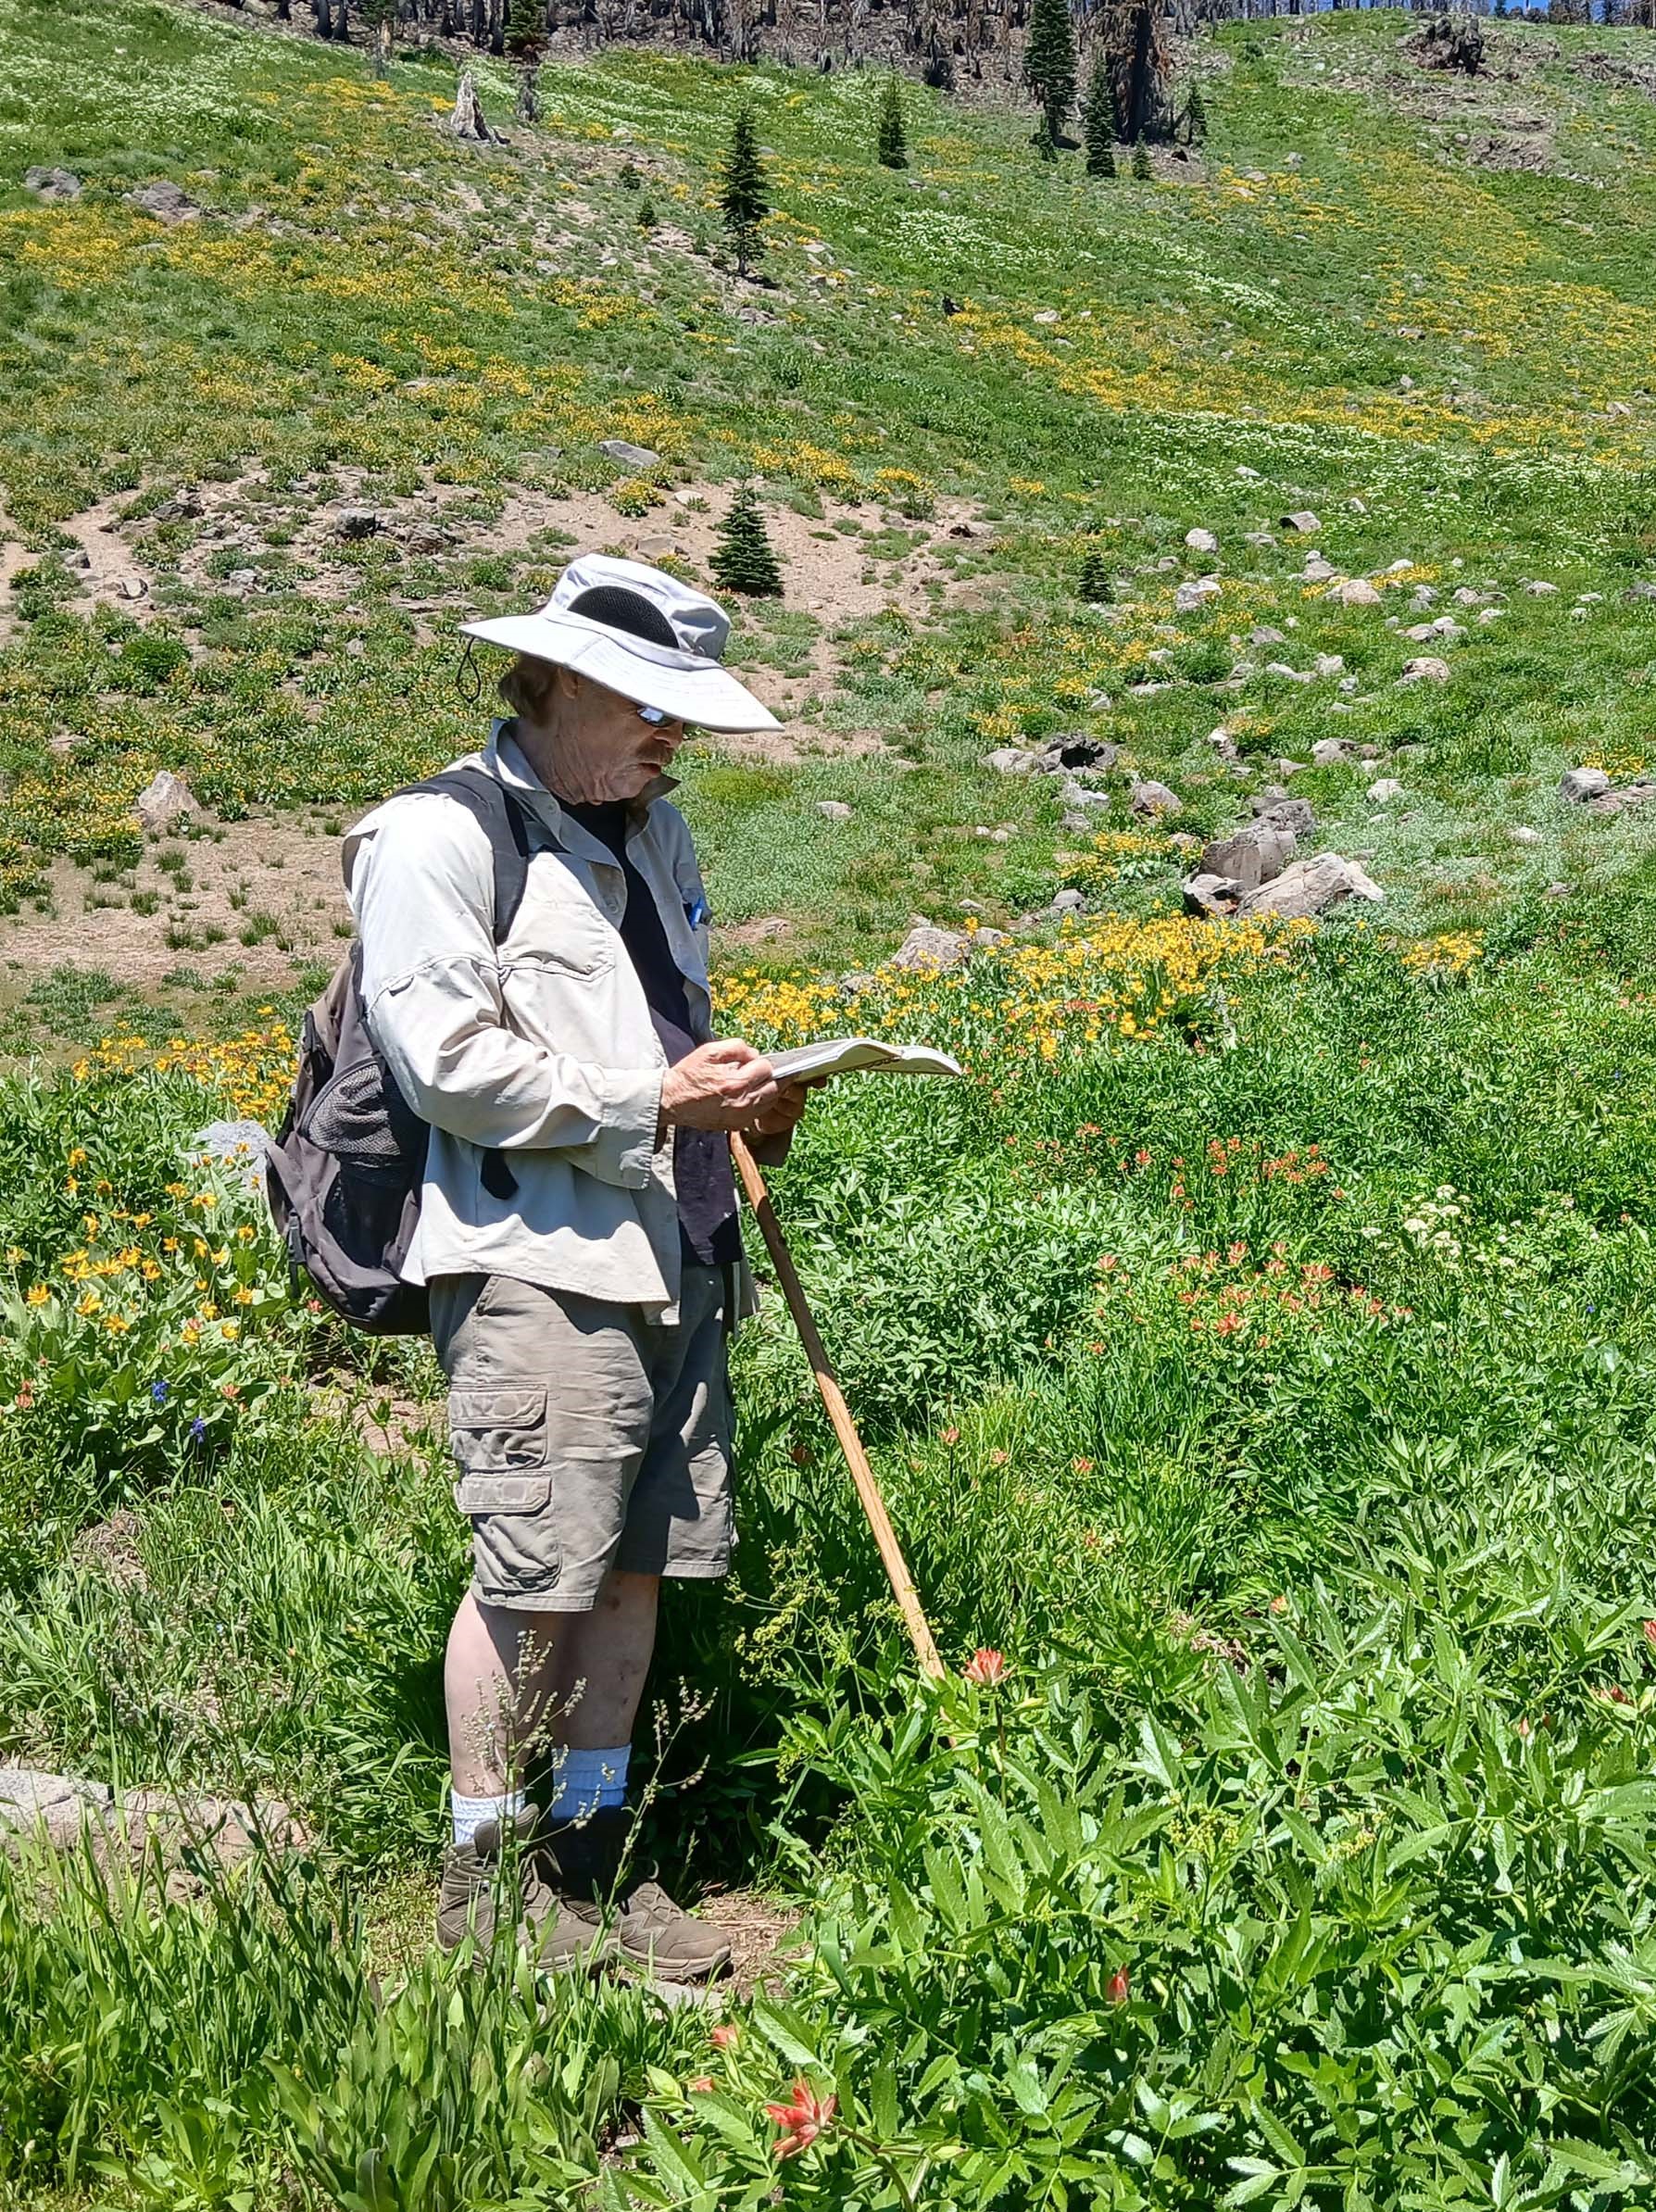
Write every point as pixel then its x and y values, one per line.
pixel 640 631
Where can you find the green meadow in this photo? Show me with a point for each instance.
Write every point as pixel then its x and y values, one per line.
pixel 1255 1349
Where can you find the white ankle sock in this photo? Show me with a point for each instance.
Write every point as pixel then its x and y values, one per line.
pixel 469 1812
pixel 589 1780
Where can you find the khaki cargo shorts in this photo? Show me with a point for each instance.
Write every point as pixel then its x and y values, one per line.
pixel 588 1436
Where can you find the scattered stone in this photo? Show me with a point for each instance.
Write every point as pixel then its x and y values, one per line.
pixel 1224 744
pixel 52 183
pixel 242 580
pixel 1311 886
pixel 1560 890
pixel 1293 815
pixel 1266 636
pixel 927 947
pixel 1082 802
pixel 628 455
pixel 1645 589
pixel 1581 784
pixel 1281 670
pixel 1385 790
pixel 1630 795
pixel 1426 668
pixel 183 506
pixel 242 1146
pixel 1333 752
pixel 1538 589
pixel 164 803
pixel 1520 834
pixel 1154 799
pixel 1357 591
pixel 1215 896
pixel 1318 571
pixel 358 523
pixel 1189 597
pixel 1047 315
pixel 1492 614
pixel 165 201
pixel 1421 633
pixel 1301 520
pixel 835 808
pixel 1250 856
pixel 1329 664
pixel 1466 596
pixel 1067 902
pixel 1201 541
pixel 1010 760
pixel 1148 691
pixel 133 587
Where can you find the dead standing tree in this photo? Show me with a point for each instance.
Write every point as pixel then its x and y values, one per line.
pixel 1140 68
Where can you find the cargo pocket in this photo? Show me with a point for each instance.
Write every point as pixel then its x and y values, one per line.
pixel 498 1437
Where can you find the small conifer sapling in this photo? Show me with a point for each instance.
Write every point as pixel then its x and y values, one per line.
pixel 1099 127
pixel 1196 115
pixel 743 200
pixel 1092 578
pixel 743 560
pixel 890 143
pixel 1141 161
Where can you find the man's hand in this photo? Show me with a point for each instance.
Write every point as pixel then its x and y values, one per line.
pixel 779 1120
pixel 725 1085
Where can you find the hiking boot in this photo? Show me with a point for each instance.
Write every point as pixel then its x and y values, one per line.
pixel 638 1927
pixel 471 1877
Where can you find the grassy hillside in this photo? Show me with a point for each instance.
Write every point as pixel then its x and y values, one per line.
pixel 1256 1349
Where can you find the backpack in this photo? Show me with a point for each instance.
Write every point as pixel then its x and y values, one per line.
pixel 345 1171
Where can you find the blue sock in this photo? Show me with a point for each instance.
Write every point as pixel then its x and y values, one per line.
pixel 589 1781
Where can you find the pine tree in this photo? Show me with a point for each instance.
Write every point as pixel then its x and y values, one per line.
pixel 1092 578
pixel 1049 60
pixel 742 198
pixel 1098 127
pixel 1045 145
pixel 646 213
pixel 380 17
pixel 525 28
pixel 1142 170
pixel 742 558
pixel 1196 115
pixel 890 143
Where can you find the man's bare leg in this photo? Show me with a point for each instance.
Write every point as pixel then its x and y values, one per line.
pixel 518 1682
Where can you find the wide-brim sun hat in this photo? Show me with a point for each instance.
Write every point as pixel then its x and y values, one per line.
pixel 639 632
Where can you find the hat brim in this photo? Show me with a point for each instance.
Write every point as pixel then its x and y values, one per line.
pixel 703 693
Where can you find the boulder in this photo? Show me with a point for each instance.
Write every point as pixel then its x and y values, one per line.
pixel 1536 588
pixel 629 455
pixel 1215 896
pixel 52 183
pixel 1302 521
pixel 1522 835
pixel 1311 887
pixel 1630 795
pixel 1191 598
pixel 926 947
pixel 165 201
pixel 183 506
pixel 1318 571
pixel 1266 636
pixel 1329 664
pixel 1201 541
pixel 1425 669
pixel 356 522
pixel 1067 901
pixel 1357 591
pixel 1010 760
pixel 836 810
pixel 1149 797
pixel 1333 752
pixel 1250 856
pixel 1580 783
pixel 1385 790
pixel 133 587
pixel 240 1146
pixel 1085 801
pixel 165 802
pixel 1285 814
pixel 1286 674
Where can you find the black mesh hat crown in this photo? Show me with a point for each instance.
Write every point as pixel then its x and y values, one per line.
pixel 618 609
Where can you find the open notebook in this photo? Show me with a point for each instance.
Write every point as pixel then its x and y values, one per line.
pixel 845 1055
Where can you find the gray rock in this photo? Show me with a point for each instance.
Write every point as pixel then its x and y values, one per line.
pixel 242 1146
pixel 1425 669
pixel 1643 590
pixel 1520 834
pixel 628 455
pixel 1281 670
pixel 1266 636
pixel 242 579
pixel 1085 801
pixel 836 810
pixel 164 803
pixel 1190 598
pixel 1583 782
pixel 1333 752
pixel 165 201
pixel 1216 895
pixel 183 506
pixel 1273 805
pixel 1630 795
pixel 1421 633
pixel 1148 691
pixel 1201 541
pixel 1151 798
pixel 52 183
pixel 133 587
pixel 358 523
pixel 1329 664
pixel 1357 591
pixel 1068 901
pixel 1385 790
pixel 1311 886
pixel 1318 571
pixel 1301 520
pixel 28 1796
pixel 1560 890
pixel 1537 588
pixel 1252 855
pixel 926 947
pixel 1010 760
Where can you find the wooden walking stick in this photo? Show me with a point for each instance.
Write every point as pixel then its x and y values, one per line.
pixel 839 1412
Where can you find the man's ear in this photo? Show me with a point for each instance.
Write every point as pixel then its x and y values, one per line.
pixel 565 680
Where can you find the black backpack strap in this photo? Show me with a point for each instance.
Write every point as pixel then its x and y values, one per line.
pixel 503 821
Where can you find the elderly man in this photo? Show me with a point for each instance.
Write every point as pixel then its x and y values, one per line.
pixel 580 1300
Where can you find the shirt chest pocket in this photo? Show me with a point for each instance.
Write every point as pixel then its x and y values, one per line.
pixel 559 929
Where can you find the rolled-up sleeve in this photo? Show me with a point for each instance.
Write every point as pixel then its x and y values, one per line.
pixel 422 890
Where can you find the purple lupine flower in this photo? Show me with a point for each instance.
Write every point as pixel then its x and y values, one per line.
pixel 158 1389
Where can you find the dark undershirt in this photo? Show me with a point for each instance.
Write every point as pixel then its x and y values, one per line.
pixel 701 1169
